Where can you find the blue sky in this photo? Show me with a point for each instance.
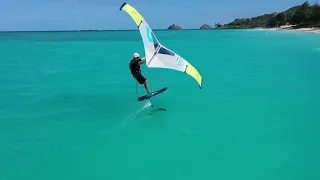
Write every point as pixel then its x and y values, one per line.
pixel 31 15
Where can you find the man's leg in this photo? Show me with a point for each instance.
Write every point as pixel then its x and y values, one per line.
pixel 143 81
pixel 146 85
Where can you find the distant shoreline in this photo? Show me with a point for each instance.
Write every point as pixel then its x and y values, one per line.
pixel 300 18
pixel 291 28
pixel 281 28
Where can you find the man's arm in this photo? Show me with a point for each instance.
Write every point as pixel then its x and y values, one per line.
pixel 143 60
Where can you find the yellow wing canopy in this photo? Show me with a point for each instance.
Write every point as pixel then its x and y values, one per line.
pixel 157 55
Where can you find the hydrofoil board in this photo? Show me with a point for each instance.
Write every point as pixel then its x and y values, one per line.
pixel 148 96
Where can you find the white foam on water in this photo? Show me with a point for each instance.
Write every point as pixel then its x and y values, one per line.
pixel 133 115
pixel 316 49
pixel 147 104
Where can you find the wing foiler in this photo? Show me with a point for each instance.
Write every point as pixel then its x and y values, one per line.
pixel 157 55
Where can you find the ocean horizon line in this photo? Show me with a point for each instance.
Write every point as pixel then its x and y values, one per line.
pixel 97 30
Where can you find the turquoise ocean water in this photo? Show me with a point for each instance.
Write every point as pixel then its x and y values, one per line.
pixel 69 109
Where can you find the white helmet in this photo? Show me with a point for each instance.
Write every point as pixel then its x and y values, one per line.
pixel 136 55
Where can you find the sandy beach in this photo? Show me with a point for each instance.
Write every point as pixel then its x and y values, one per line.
pixel 290 28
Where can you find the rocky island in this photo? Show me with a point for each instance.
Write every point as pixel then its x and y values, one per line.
pixel 175 27
pixel 205 27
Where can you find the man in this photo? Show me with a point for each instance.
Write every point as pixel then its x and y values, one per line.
pixel 136 72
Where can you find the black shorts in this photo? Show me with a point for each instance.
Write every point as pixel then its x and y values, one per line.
pixel 138 76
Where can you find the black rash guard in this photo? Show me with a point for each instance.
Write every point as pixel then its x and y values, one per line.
pixel 135 71
pixel 134 66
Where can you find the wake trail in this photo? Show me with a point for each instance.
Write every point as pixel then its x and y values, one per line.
pixel 146 105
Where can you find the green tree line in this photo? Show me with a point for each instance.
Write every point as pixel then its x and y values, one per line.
pixel 305 15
